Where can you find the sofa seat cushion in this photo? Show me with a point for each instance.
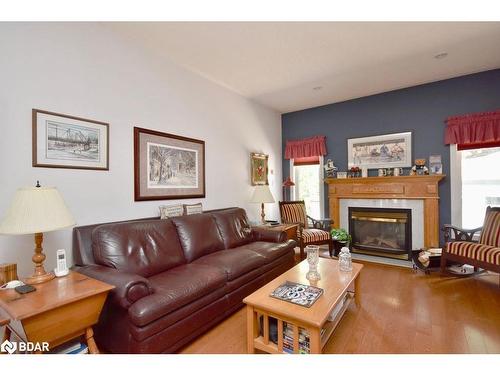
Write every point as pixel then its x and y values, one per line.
pixel 476 251
pixel 270 250
pixel 176 288
pixel 234 262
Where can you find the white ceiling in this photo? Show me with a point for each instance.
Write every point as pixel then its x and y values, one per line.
pixel 279 63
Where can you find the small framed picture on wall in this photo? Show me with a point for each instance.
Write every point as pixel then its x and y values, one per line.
pixel 259 168
pixel 63 141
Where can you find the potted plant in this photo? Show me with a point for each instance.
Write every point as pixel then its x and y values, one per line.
pixel 340 239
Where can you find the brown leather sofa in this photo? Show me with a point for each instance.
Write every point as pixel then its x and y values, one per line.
pixel 176 278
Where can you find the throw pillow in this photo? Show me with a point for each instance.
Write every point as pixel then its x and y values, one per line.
pixel 171 211
pixel 191 209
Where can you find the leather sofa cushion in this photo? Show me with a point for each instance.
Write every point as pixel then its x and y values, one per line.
pixel 234 227
pixel 234 262
pixel 270 250
pixel 143 248
pixel 198 235
pixel 174 289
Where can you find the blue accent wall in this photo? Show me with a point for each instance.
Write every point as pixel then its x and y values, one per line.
pixel 419 109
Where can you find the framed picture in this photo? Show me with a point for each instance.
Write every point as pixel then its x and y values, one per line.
pixel 62 141
pixel 167 166
pixel 380 151
pixel 259 168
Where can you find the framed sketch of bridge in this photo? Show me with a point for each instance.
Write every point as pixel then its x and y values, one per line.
pixel 168 166
pixel 62 141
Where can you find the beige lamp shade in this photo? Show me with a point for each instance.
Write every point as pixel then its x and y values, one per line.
pixel 36 210
pixel 262 194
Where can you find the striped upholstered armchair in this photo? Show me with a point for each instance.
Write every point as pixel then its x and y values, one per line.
pixel 310 231
pixel 461 246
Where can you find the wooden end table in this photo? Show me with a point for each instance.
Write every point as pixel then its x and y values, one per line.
pixel 339 289
pixel 58 311
pixel 289 229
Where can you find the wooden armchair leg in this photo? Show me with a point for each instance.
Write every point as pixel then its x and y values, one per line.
pixel 443 264
pixel 330 248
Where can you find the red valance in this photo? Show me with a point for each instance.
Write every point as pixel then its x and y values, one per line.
pixel 476 128
pixel 304 148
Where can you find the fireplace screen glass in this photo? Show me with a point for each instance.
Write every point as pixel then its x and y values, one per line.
pixel 380 229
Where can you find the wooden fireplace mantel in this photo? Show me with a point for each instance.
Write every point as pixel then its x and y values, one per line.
pixel 394 187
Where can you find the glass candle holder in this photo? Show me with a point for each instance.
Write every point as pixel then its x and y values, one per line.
pixel 345 260
pixel 312 252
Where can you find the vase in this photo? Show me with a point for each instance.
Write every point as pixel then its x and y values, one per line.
pixel 312 252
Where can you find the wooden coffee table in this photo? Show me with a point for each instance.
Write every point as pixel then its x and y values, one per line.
pixel 338 292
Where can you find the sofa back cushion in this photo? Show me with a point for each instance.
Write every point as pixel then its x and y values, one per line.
pixel 198 235
pixel 234 227
pixel 143 248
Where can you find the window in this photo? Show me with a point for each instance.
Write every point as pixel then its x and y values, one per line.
pixel 475 184
pixel 309 186
pixel 480 170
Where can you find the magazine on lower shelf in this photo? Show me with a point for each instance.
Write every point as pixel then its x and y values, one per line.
pixel 299 294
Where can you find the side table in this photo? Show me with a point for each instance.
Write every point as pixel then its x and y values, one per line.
pixel 58 311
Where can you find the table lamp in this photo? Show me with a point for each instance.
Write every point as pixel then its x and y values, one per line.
pixel 37 210
pixel 262 194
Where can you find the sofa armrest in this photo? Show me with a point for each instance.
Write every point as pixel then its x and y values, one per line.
pixel 129 287
pixel 262 234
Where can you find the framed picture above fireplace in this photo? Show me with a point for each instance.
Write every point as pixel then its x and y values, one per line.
pixel 380 151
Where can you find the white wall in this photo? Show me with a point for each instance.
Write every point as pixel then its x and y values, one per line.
pixel 86 70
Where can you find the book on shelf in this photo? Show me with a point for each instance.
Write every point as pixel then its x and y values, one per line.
pixel 71 347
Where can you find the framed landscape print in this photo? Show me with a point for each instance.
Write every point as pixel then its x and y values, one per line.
pixel 380 151
pixel 259 168
pixel 62 141
pixel 167 166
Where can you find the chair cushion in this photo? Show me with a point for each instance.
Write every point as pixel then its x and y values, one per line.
pixel 234 227
pixel 176 288
pixel 270 250
pixel 490 234
pixel 198 235
pixel 313 235
pixel 144 248
pixel 477 251
pixel 294 213
pixel 234 262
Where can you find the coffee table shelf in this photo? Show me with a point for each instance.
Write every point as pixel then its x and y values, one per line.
pixel 338 293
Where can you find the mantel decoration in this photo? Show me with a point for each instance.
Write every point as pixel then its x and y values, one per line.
pixel 381 151
pixel 62 141
pixel 36 210
pixel 167 166
pixel 259 168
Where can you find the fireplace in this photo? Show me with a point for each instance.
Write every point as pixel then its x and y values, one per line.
pixel 381 231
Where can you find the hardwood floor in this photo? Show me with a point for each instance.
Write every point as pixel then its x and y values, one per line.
pixel 401 311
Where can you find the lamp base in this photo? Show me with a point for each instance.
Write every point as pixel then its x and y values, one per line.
pixel 40 275
pixel 38 279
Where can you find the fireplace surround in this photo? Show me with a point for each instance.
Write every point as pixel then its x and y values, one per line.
pixel 423 189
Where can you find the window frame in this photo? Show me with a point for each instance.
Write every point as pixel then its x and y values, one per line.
pixel 293 195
